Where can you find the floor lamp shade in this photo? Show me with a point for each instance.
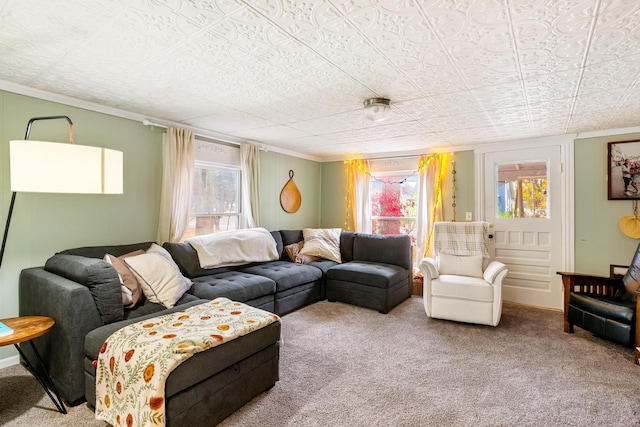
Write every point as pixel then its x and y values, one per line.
pixel 51 167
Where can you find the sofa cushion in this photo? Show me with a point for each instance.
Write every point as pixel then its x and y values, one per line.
pixel 323 264
pixel 149 307
pixel 286 274
pixel 187 260
pixel 101 251
pixel 93 340
pixel 235 285
pixel 389 249
pixel 368 273
pixel 277 237
pixel 291 236
pixel 606 307
pixel 100 277
pixel 346 245
pixel 462 287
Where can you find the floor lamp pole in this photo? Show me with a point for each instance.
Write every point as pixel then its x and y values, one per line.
pixel 13 196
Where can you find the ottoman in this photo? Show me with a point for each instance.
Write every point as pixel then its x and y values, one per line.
pixel 368 284
pixel 212 384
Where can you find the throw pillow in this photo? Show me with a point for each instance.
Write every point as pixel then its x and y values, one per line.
pixel 459 265
pixel 157 249
pixel 129 286
pixel 161 282
pixel 322 242
pixel 293 252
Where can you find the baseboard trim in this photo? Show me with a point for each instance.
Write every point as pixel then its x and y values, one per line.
pixel 9 361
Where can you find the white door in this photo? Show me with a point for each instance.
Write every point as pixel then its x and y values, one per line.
pixel 522 199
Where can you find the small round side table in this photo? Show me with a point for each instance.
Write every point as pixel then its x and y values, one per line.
pixel 27 328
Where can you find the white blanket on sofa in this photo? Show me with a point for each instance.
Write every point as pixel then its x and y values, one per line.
pixel 234 247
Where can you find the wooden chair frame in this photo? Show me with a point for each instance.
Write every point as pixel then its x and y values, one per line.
pixel 596 285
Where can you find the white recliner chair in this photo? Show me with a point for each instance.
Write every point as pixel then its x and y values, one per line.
pixel 461 284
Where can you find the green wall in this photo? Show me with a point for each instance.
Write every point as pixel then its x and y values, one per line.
pixel 598 240
pixel 465 186
pixel 335 188
pixel 45 223
pixel 333 213
pixel 274 174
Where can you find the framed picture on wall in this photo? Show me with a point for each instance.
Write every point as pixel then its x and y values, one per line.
pixel 623 170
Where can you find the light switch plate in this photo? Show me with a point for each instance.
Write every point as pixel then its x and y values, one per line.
pixel 469 216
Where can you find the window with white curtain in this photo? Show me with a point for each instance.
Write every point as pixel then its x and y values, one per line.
pixel 393 195
pixel 393 203
pixel 216 198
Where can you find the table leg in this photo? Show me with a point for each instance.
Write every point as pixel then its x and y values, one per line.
pixel 58 401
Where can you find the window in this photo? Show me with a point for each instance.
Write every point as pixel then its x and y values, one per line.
pixel 393 203
pixel 215 199
pixel 522 190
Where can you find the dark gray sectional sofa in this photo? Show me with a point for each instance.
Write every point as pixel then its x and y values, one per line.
pixel 82 294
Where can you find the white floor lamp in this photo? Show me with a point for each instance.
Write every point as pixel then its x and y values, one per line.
pixel 52 167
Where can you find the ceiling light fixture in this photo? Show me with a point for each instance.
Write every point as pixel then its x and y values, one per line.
pixel 376 109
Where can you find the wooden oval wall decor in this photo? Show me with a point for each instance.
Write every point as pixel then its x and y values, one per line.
pixel 290 198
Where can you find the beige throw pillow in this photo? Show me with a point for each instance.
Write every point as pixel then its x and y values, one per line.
pixel 322 242
pixel 293 252
pixel 161 281
pixel 459 265
pixel 157 249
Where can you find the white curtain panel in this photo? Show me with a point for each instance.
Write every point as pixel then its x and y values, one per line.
pixel 178 157
pixel 250 166
pixel 360 179
pixel 429 203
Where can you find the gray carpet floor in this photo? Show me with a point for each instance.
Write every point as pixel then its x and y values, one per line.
pixel 348 366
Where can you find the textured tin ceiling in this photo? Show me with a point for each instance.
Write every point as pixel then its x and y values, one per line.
pixel 293 74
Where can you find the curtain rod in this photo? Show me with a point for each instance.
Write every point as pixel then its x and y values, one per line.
pixel 201 137
pixel 399 157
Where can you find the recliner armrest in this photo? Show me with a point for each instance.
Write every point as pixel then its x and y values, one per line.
pixel 428 268
pixel 493 270
pixel 590 284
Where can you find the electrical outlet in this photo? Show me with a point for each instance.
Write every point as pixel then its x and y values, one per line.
pixel 469 216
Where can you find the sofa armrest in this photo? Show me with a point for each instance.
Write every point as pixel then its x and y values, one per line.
pixel 72 307
pixel 428 268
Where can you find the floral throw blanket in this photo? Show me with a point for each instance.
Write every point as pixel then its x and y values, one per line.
pixel 135 361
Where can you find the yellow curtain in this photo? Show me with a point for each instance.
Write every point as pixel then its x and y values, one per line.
pixel 431 175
